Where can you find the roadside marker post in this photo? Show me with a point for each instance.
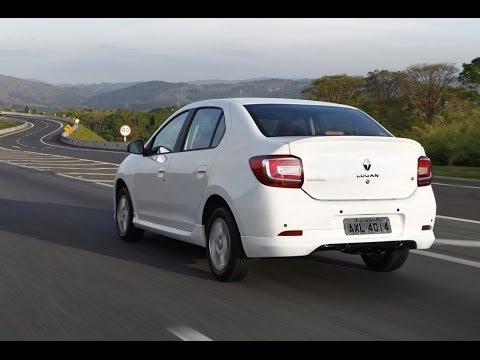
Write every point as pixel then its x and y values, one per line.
pixel 125 131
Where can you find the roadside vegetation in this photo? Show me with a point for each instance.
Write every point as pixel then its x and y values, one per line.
pixel 431 103
pixel 457 171
pixel 436 104
pixel 4 124
pixel 106 123
pixel 84 133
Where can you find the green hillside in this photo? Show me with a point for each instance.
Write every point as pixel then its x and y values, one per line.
pixel 84 133
pixel 37 96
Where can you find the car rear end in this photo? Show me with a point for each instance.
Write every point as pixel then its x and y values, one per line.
pixel 336 181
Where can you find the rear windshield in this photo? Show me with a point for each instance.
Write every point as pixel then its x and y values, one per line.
pixel 312 120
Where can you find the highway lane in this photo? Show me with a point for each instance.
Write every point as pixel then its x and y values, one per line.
pixel 64 274
pixel 44 137
pixel 457 198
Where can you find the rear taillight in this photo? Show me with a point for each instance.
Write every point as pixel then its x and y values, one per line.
pixel 424 171
pixel 278 170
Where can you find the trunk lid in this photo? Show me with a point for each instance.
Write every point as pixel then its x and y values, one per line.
pixel 358 168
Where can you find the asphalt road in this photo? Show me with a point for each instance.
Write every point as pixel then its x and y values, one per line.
pixel 65 275
pixel 44 137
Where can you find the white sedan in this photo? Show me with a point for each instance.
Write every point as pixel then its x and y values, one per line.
pixel 255 177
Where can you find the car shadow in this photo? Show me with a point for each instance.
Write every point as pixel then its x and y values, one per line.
pixel 94 230
pixel 324 274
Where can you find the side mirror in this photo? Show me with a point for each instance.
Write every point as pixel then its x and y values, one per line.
pixel 135 147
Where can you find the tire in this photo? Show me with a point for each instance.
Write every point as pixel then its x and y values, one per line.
pixel 386 260
pixel 124 216
pixel 225 254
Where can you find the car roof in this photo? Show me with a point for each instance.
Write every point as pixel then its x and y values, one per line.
pixel 260 100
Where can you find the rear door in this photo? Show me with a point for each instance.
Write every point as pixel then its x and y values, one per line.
pixel 190 168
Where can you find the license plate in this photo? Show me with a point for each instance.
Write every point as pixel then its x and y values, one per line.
pixel 364 226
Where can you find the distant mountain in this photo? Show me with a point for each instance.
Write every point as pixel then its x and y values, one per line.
pixel 16 92
pixel 154 94
pixel 144 96
pixel 88 90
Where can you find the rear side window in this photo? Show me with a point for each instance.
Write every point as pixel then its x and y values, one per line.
pixel 312 120
pixel 202 129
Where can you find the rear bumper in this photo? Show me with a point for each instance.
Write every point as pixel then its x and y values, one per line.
pixel 262 215
pixel 281 246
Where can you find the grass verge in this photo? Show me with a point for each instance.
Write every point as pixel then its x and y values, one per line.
pixel 4 124
pixel 457 171
pixel 84 133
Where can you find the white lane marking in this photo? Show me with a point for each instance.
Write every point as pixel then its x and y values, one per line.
pixel 458 219
pixel 69 147
pixel 188 334
pixel 460 186
pixel 466 243
pixel 447 258
pixel 57 164
pixel 36 158
pixel 67 167
pixel 59 156
pixel 15 146
pixel 23 166
pixel 21 137
pixel 82 173
pixel 56 161
pixel 98 182
pixel 41 155
pixel 50 133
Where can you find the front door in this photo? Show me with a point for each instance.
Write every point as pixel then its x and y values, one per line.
pixel 150 177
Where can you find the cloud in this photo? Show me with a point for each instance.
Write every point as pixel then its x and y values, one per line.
pixel 173 49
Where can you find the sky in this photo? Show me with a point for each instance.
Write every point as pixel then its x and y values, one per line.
pixel 80 51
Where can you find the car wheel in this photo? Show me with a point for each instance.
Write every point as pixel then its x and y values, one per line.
pixel 124 216
pixel 388 260
pixel 225 254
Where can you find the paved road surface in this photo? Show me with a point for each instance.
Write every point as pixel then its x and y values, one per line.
pixel 64 274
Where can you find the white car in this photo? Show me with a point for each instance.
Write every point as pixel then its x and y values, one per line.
pixel 255 177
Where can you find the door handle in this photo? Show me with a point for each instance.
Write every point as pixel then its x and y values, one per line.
pixel 202 169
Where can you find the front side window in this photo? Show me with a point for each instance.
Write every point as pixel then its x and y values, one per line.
pixel 202 129
pixel 312 120
pixel 167 137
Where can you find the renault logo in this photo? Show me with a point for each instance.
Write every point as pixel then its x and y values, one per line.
pixel 367 165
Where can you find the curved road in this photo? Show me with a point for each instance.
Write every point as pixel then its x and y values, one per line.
pixel 65 275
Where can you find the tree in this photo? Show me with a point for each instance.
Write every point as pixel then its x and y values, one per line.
pixel 384 85
pixel 386 98
pixel 341 89
pixel 27 109
pixel 470 75
pixel 427 86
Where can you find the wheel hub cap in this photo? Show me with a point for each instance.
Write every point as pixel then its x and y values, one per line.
pixel 122 214
pixel 219 244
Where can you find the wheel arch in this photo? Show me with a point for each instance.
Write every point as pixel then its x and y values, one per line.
pixel 119 184
pixel 213 202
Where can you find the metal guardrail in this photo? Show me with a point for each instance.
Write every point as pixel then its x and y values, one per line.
pixel 103 145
